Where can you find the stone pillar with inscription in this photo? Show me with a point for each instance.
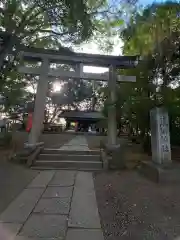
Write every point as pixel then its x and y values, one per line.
pixel 161 169
pixel 160 136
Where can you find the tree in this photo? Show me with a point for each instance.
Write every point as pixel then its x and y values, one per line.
pixel 42 23
pixel 153 33
pixel 46 24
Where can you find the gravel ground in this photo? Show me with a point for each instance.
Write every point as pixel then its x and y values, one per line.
pixel 131 207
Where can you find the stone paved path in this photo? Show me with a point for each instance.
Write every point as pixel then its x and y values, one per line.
pixel 11 184
pixel 59 205
pixel 78 143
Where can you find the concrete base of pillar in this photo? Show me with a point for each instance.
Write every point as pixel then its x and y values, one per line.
pixel 29 145
pixel 112 147
pixel 161 174
pixel 105 160
pixel 113 157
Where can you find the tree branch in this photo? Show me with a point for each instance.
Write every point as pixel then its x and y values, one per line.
pixel 24 18
pixel 2 10
pixel 53 32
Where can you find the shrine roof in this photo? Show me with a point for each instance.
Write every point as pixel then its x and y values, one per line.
pixel 90 115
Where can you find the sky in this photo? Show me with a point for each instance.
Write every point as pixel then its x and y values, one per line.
pixel 92 48
pixel 146 2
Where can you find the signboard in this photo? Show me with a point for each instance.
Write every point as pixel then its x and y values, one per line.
pixel 123 78
pixel 160 136
pixel 164 137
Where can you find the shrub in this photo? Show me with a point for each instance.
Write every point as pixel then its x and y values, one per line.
pixel 5 139
pixel 147 144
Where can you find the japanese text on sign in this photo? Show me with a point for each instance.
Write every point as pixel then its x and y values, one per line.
pixel 164 134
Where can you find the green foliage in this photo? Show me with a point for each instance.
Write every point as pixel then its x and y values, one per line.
pixel 74 94
pixel 154 33
pixel 150 26
pixel 67 19
pixel 5 139
pixel 38 23
pixel 49 24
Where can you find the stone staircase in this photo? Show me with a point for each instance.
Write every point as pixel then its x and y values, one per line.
pixel 86 160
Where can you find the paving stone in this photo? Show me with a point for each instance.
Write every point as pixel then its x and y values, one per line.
pixel 84 211
pixel 77 143
pixel 63 178
pixel 84 234
pixel 45 226
pixel 42 179
pixel 75 147
pixel 30 238
pixel 19 210
pixel 53 206
pixel 58 192
pixel 13 179
pixel 8 231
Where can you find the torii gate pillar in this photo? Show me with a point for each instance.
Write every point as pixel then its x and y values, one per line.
pixel 40 101
pixel 112 123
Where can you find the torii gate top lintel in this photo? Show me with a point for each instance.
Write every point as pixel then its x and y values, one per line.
pixel 37 54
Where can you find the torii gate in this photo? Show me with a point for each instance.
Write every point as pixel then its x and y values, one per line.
pixel 77 60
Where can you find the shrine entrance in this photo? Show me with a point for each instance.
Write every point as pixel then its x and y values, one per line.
pixel 43 60
pixel 83 121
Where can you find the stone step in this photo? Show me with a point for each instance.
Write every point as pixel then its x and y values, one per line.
pixel 69 152
pixel 69 157
pixel 44 168
pixel 69 164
